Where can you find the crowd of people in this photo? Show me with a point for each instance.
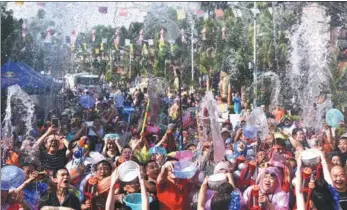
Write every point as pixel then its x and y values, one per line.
pixel 74 160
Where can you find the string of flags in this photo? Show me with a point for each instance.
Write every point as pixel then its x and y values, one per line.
pixel 123 12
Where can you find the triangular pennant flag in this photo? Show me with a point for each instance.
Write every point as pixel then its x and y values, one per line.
pixel 123 12
pixel 200 13
pixel 103 10
pixel 41 4
pixel 181 14
pixel 19 3
pixel 219 13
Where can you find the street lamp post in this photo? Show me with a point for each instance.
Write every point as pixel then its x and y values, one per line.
pixel 255 51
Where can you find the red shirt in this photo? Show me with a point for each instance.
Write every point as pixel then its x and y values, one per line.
pixel 174 196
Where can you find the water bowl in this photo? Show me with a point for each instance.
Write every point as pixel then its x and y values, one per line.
pixel 134 201
pixel 11 177
pixel 310 157
pixel 128 171
pixel 185 169
pixel 334 117
pixel 216 180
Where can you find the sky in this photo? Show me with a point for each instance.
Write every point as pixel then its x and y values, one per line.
pixel 82 16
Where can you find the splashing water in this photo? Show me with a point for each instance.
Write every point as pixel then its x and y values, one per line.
pixel 276 87
pixel 156 89
pixel 209 103
pixel 19 107
pixel 309 74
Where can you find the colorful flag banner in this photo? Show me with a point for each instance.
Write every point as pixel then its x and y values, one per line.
pixel 123 12
pixel 200 13
pixel 219 13
pixel 41 4
pixel 103 10
pixel 19 3
pixel 181 15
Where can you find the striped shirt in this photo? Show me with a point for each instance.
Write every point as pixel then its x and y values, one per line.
pixel 52 162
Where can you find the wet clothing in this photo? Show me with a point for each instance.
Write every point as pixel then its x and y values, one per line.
pixel 174 196
pixel 50 199
pixel 52 162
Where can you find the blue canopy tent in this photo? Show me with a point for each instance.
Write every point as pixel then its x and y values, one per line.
pixel 23 75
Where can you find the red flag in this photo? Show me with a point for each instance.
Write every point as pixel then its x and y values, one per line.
pixel 41 4
pixel 123 12
pixel 219 13
pixel 103 10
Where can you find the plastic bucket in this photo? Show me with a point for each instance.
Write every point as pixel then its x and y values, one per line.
pixel 134 201
pixel 334 117
pixel 128 171
pixel 11 177
pixel 185 169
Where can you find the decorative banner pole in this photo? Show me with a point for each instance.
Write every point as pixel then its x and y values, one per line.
pixel 145 118
pixel 181 114
pixel 192 46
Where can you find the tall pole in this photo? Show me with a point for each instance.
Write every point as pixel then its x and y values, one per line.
pixel 181 114
pixel 255 54
pixel 192 46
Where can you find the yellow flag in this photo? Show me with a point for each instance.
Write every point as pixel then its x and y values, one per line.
pixel 181 15
pixel 85 45
pixel 19 3
pixel 102 46
pixel 97 51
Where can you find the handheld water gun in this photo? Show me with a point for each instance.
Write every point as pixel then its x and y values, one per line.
pixel 253 202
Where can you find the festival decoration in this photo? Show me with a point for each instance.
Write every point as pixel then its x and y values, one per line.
pixel 219 13
pixel 93 35
pixel 224 32
pixel 200 13
pixel 103 10
pixel 123 12
pixel 203 33
pixel 181 14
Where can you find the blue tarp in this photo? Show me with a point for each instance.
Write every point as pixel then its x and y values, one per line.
pixel 23 75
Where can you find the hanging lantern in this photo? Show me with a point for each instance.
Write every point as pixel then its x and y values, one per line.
pixel 203 32
pixel 48 36
pixel 93 35
pixel 162 34
pixel 224 29
pixel 183 39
